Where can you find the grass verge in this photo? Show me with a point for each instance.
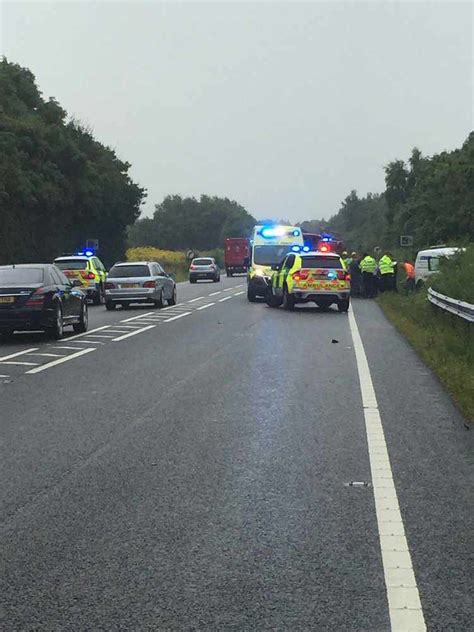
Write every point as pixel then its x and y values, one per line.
pixel 445 342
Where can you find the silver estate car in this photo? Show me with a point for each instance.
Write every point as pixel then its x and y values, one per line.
pixel 204 268
pixel 139 282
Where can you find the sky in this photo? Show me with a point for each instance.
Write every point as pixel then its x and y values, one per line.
pixel 283 106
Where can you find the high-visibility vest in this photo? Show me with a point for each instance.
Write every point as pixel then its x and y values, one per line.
pixel 385 265
pixel 368 264
pixel 347 261
pixel 410 270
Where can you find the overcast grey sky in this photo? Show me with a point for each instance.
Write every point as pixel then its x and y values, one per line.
pixel 284 107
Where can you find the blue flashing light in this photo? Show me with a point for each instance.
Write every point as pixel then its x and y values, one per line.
pixel 296 232
pixel 305 248
pixel 332 275
pixel 89 253
pixel 79 253
pixel 295 248
pixel 272 231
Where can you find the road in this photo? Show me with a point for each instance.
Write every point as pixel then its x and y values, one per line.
pixel 189 469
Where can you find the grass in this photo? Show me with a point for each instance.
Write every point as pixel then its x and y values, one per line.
pixel 445 342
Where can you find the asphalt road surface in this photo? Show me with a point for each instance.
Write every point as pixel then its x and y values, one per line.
pixel 190 468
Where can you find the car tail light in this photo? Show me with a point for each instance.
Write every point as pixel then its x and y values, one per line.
pixel 343 275
pixel 300 275
pixel 109 286
pixel 324 248
pixel 192 267
pixel 149 284
pixel 85 274
pixel 347 277
pixel 36 299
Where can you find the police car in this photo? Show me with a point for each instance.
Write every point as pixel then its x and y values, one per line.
pixel 303 277
pixel 87 272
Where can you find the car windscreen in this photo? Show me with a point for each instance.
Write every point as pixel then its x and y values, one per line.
pixel 321 262
pixel 129 271
pixel 269 255
pixel 71 264
pixel 22 276
pixel 203 262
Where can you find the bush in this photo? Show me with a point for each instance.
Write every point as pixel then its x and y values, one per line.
pixel 173 262
pixel 456 276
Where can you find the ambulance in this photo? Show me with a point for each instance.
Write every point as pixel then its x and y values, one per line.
pixel 269 245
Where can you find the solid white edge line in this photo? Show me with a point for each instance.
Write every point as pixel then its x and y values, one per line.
pixel 199 298
pixel 176 317
pixel 127 320
pixel 404 603
pixel 205 306
pixel 133 333
pixel 86 333
pixel 54 363
pixel 19 353
pixel 226 298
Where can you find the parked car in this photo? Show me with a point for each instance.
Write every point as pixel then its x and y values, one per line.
pixel 236 255
pixel 139 282
pixel 89 270
pixel 39 296
pixel 204 268
pixel 427 262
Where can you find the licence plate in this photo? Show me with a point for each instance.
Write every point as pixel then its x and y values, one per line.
pixel 129 285
pixel 7 299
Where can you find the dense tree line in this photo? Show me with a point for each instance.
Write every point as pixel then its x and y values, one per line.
pixel 58 185
pixel 430 198
pixel 181 223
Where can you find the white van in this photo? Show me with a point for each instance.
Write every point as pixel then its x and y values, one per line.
pixel 427 261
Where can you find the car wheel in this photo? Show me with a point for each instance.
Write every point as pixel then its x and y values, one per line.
pixel 272 300
pixel 160 302
pixel 343 305
pixel 57 330
pixel 173 299
pixel 83 324
pixel 98 297
pixel 6 334
pixel 288 300
pixel 110 306
pixel 251 296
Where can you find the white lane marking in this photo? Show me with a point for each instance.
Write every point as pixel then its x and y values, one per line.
pixel 99 335
pixel 215 293
pixel 4 376
pixel 205 306
pixel 54 363
pixel 86 333
pixel 240 285
pixel 127 320
pixel 239 293
pixel 90 342
pixel 403 599
pixel 19 353
pixel 64 347
pixel 48 355
pixel 176 317
pixel 172 306
pixel 133 333
pixel 226 298
pixel 199 298
pixel 116 331
pixel 229 289
pixel 135 326
pixel 21 363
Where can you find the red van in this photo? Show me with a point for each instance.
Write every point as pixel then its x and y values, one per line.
pixel 236 255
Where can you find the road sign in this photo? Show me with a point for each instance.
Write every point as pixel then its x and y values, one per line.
pixel 190 254
pixel 406 240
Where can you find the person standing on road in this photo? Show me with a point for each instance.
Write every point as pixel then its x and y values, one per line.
pixel 355 273
pixel 386 270
pixel 410 276
pixel 368 267
pixel 347 260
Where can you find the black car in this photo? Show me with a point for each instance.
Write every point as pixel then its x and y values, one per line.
pixel 39 296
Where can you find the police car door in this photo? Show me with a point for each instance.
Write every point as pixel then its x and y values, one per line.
pixel 286 266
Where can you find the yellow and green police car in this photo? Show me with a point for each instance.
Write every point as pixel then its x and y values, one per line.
pixel 87 272
pixel 303 277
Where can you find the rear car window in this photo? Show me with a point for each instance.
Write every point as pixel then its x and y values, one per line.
pixel 129 271
pixel 9 276
pixel 203 262
pixel 71 264
pixel 322 262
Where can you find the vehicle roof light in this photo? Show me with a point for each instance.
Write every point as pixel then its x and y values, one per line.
pixel 295 248
pixel 305 248
pixel 272 231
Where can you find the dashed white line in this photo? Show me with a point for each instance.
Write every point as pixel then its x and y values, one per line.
pixel 86 333
pixel 128 320
pixel 215 293
pixel 54 363
pixel 2 376
pixel 205 306
pixel 226 298
pixel 133 333
pixel 199 298
pixel 176 317
pixel 16 362
pixel 65 347
pixel 19 353
pixel 239 293
pixel 403 599
pixel 229 289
